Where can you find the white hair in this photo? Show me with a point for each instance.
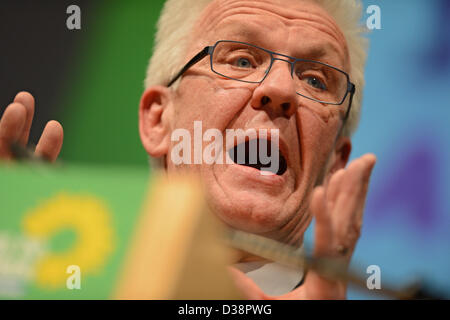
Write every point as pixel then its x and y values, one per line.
pixel 178 17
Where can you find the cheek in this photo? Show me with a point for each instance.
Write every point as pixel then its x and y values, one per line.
pixel 317 132
pixel 321 113
pixel 216 103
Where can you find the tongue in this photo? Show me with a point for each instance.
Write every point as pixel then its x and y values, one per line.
pixel 248 154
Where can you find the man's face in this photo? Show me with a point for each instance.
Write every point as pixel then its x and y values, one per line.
pixel 270 205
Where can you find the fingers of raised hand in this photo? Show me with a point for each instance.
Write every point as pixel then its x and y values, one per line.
pixel 27 100
pixel 323 232
pixel 15 123
pixel 15 126
pixel 334 187
pixel 349 205
pixel 338 208
pixel 51 141
pixel 11 128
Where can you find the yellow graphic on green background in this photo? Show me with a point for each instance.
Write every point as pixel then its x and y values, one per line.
pixel 88 217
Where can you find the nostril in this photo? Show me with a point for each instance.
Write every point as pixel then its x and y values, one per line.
pixel 286 106
pixel 265 100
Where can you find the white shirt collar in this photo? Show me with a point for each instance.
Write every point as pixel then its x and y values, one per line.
pixel 273 278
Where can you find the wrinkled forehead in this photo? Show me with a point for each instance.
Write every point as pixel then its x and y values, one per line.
pixel 283 23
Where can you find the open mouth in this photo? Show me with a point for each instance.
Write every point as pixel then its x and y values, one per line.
pixel 259 154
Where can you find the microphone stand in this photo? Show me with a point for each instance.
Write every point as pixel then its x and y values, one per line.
pixel 330 268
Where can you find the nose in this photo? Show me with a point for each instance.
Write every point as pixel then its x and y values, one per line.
pixel 276 94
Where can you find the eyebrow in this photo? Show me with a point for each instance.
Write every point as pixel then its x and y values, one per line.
pixel 315 51
pixel 252 34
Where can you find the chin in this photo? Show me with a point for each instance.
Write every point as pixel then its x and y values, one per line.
pixel 248 211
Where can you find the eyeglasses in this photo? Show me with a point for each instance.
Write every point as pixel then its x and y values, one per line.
pixel 245 62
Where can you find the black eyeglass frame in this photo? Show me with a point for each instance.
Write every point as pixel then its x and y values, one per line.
pixel 209 50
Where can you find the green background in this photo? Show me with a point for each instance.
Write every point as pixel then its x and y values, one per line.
pixel 106 81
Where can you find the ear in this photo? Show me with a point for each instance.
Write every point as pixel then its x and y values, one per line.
pixel 154 120
pixel 340 156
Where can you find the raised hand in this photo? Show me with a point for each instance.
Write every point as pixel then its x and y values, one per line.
pixel 15 126
pixel 338 208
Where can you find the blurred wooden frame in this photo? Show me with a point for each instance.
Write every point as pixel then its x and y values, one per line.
pixel 177 252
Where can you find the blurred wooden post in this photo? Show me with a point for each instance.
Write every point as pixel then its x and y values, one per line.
pixel 177 252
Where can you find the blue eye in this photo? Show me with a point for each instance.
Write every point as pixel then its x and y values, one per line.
pixel 316 83
pixel 243 63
